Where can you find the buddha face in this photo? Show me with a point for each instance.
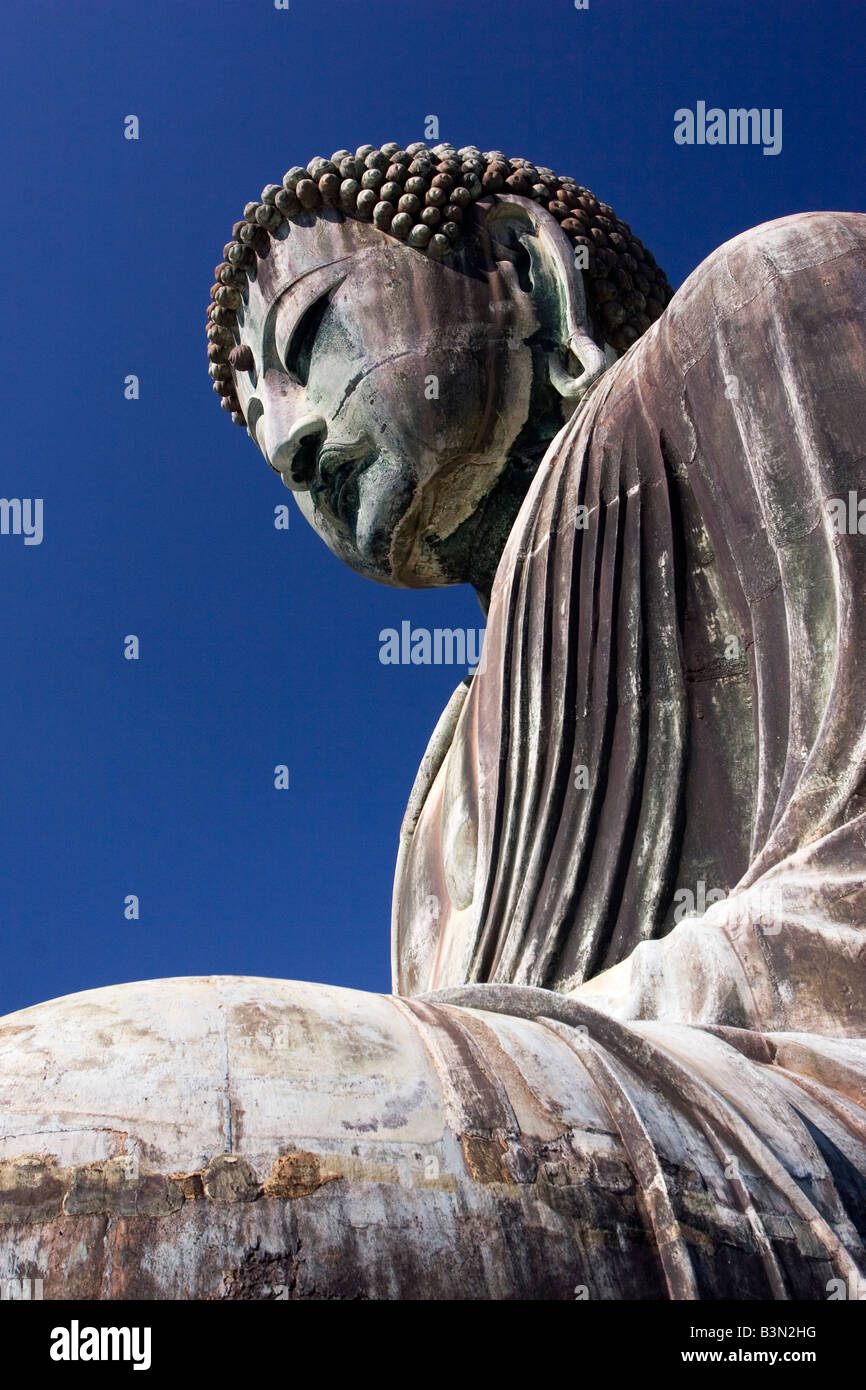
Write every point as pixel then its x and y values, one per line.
pixel 389 391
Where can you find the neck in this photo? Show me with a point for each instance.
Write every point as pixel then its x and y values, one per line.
pixel 493 520
pixel 492 523
pixel 471 554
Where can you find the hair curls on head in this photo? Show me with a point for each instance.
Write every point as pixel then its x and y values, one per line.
pixel 424 197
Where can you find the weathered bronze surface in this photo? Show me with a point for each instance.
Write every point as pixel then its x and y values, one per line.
pixel 576 1090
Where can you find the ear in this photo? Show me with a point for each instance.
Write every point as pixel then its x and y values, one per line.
pixel 556 287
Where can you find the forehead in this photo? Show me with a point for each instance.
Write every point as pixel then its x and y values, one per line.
pixel 301 249
pixel 310 242
pixel 312 249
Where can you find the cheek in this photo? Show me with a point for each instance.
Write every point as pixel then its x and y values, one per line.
pixel 426 408
pixel 337 362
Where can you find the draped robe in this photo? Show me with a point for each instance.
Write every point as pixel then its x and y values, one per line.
pixel 571 1093
pixel 671 710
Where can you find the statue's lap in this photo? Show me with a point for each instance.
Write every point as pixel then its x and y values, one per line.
pixel 232 1137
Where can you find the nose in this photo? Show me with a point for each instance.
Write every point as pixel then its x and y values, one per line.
pixel 296 453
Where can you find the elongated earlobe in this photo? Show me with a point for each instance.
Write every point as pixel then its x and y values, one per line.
pixel 590 360
pixel 557 291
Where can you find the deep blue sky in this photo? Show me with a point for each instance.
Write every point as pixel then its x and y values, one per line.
pixel 257 647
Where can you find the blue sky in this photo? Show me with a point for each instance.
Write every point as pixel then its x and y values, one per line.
pixel 155 777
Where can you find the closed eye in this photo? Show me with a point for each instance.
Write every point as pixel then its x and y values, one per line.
pixel 299 352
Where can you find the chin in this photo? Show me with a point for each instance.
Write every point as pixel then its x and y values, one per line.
pixel 377 538
pixel 385 522
pixel 367 559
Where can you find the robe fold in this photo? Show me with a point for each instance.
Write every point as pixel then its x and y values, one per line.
pixel 662 760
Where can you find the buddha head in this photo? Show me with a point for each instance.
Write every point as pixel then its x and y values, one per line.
pixel 403 332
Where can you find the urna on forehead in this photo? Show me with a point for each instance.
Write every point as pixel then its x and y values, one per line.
pixel 424 198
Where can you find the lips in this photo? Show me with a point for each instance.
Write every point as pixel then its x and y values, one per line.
pixel 335 484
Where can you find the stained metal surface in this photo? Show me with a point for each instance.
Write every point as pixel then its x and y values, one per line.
pixel 222 1137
